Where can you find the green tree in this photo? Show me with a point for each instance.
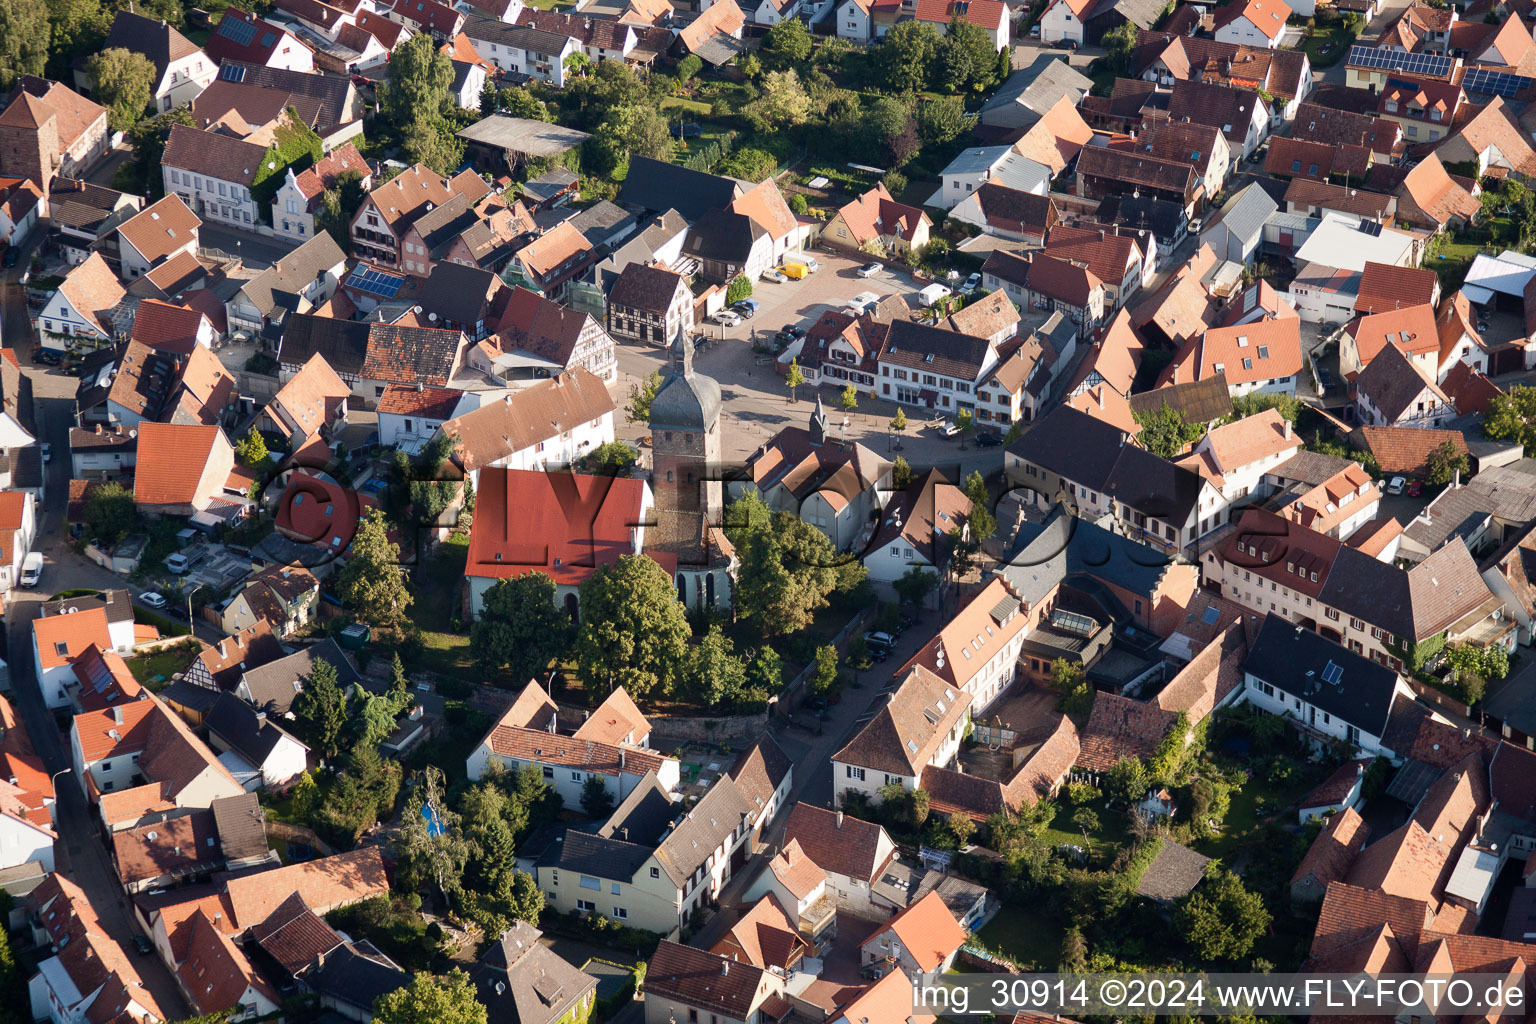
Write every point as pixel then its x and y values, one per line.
pixel 1118 43
pixel 787 43
pixel 765 672
pixel 490 99
pixel 634 633
pixel 961 827
pixel 519 101
pixel 794 378
pixel 252 451
pixel 429 141
pixel 339 205
pixel 1165 432
pixel 304 795
pixel 1473 668
pixel 899 421
pixel 399 682
pixel 825 676
pixel 739 288
pixel 320 710
pixel 124 82
pixel 1221 919
pixel 578 64
pixel 110 513
pixel 1074 951
pixel 901 470
pixel 966 58
pixel 849 398
pixel 449 999
pixel 147 138
pixel 904 57
pixel 1069 680
pixel 24 35
pixel 632 129
pixel 596 801
pixel 638 409
pixel 716 677
pixel 798 204
pixel 431 852
pixel 788 570
pixel 1086 821
pixel 981 523
pixel 420 79
pixel 965 422
pixel 914 585
pixel 745 513
pixel 1512 416
pixel 520 627
pixel 941 119
pixel 689 67
pixel 78 27
pixel 614 458
pixel 1444 462
pixel 372 584
pixel 1126 781
pixel 749 164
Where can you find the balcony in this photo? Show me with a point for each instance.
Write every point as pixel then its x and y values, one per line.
pixel 817 918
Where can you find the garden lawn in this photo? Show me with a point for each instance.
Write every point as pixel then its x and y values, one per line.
pixel 435 607
pixel 157 667
pixel 686 105
pixel 1340 38
pixel 1026 937
pixel 1250 806
pixel 1452 262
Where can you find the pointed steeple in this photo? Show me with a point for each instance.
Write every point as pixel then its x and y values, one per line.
pixel 682 353
pixel 819 426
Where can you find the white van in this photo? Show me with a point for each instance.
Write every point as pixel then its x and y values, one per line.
pixel 32 569
pixel 809 261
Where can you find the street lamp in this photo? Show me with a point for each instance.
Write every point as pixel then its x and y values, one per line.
pixel 194 590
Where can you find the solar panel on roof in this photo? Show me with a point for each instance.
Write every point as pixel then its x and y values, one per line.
pixel 232 73
pixel 376 281
pixel 236 31
pixel 1428 64
pixel 1495 83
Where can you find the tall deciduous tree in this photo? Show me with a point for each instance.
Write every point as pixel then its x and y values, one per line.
pixel 420 77
pixel 788 569
pixel 110 512
pixel 24 35
pixel 429 141
pixel 914 585
pixel 941 119
pixel 638 409
pixel 746 512
pixel 715 675
pixel 431 848
pixel 79 26
pixel 123 81
pixel 372 584
pixel 787 43
pixel 520 628
pixel 906 55
pixel 634 633
pixel 1221 919
pixel 1444 462
pixel 449 999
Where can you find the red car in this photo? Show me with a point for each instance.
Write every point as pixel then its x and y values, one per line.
pixel 1415 489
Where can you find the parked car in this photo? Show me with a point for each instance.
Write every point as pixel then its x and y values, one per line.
pixel 1415 488
pixel 1034 31
pixel 1482 327
pixel 142 945
pixel 796 271
pixel 988 439
pixel 1396 485
pixel 746 309
pixel 47 357
pixel 774 275
pixel 950 428
pixel 150 599
pixel 784 338
pixel 1068 44
pixel 726 318
pixel 870 270
pixel 876 638
pixel 12 257
pixel 971 284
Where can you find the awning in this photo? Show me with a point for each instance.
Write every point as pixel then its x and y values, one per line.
pixel 1477 293
pixel 928 396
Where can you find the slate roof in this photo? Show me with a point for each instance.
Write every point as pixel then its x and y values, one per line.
pixel 656 185
pixel 245 730
pixel 520 979
pixel 275 684
pixel 1392 381
pixel 344 344
pixel 1296 661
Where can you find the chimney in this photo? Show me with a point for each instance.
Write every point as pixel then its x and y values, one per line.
pixel 1287 427
pixel 621 759
pixel 1101 396
pixel 117 715
pixel 725 967
pixel 839 819
pixel 1456 480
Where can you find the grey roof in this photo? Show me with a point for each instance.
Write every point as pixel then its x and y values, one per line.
pixel 440 226
pixel 150 36
pixel 688 400
pixel 247 732
pixel 456 293
pixel 1066 547
pixel 1198 401
pixel 1392 382
pixel 118 605
pixel 194 698
pixel 720 49
pixel 1506 492
pixel 1307 467
pixel 1036 89
pixel 521 980
pixel 1095 454
pixel 347 976
pixel 1245 214
pixel 242 826
pixel 642 817
pixel 1141 13
pixel 1368 589
pixel 1173 873
pixel 724 236
pixel 332 96
pixel 275 684
pixel 551 183
pixel 703 828
pixel 656 185
pixel 1303 663
pixel 977 159
pixel 596 855
pixel 522 135
pixel 597 223
pixel 293 271
pixel 343 343
pixel 1159 216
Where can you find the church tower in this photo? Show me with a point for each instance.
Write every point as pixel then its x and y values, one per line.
pixel 685 456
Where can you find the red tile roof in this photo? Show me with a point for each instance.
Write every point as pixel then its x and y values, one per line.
pixel 166 327
pixel 564 525
pixel 166 451
pixel 162 228
pixel 927 931
pixel 1385 287
pixel 74 632
pixel 325 885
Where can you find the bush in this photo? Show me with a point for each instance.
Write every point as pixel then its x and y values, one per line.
pixel 895 183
